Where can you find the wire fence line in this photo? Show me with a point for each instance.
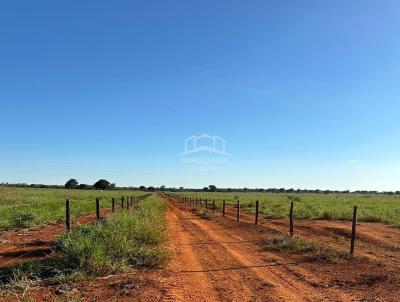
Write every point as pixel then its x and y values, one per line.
pixel 211 205
pixel 125 204
pixel 28 211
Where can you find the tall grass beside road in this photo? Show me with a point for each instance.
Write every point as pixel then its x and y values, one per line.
pixel 126 240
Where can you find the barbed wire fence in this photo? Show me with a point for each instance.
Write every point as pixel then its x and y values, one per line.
pixel 210 205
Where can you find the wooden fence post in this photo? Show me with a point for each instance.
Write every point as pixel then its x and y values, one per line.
pixel 122 202
pixel 127 203
pixel 238 211
pixel 113 205
pixel 223 207
pixel 97 208
pixel 68 215
pixel 213 205
pixel 353 230
pixel 291 219
pixel 257 209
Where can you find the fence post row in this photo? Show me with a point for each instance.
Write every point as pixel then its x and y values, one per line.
pixel 199 201
pixel 353 230
pixel 68 215
pixel 291 219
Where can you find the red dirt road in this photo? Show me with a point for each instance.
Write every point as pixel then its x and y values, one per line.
pixel 223 260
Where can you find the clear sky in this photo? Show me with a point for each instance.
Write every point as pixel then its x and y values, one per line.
pixel 306 94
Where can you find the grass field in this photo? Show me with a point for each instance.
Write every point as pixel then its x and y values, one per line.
pixel 372 208
pixel 28 207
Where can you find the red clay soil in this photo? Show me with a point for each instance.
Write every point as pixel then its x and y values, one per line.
pixel 220 259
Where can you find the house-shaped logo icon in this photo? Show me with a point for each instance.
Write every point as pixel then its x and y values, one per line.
pixel 205 142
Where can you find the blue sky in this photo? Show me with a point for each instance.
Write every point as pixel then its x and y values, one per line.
pixel 306 94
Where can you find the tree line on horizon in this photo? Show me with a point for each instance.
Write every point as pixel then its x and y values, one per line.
pixel 104 184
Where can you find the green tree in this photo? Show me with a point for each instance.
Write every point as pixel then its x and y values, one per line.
pixel 101 184
pixel 212 188
pixel 71 184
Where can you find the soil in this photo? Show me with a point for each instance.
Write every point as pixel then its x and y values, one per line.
pixel 215 258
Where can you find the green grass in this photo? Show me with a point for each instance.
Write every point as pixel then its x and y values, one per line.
pixel 125 240
pixel 28 207
pixel 371 208
pixel 315 251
